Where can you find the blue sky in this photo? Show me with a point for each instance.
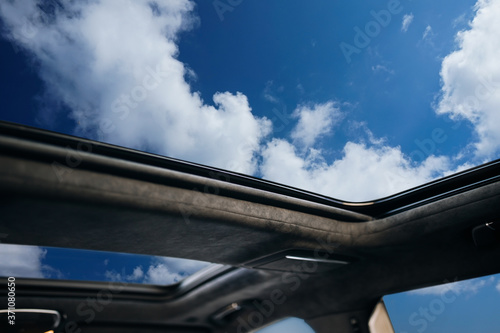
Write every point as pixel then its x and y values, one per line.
pixel 84 265
pixel 22 261
pixel 355 100
pixel 465 306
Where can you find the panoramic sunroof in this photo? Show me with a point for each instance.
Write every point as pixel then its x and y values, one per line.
pixel 22 261
pixel 353 100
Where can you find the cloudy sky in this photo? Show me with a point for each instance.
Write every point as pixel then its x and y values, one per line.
pixel 353 100
pixel 71 264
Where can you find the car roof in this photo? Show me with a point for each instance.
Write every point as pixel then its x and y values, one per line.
pixel 316 256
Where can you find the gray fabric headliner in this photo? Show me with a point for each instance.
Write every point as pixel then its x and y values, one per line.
pixel 92 210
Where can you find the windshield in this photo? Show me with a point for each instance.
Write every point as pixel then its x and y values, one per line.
pixel 354 100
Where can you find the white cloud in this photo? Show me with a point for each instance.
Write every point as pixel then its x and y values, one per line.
pixel 137 273
pixel 268 93
pixel 498 287
pixel 471 79
pixel 407 20
pixel 124 83
pixel 22 261
pixel 115 276
pixel 161 271
pixel 468 287
pixel 381 68
pixel 164 270
pixel 161 274
pixel 427 32
pixel 363 173
pixel 181 265
pixel 314 121
pixel 360 129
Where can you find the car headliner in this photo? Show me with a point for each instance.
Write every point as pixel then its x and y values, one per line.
pixel 116 199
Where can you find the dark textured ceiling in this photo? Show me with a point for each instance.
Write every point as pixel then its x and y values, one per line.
pixel 112 204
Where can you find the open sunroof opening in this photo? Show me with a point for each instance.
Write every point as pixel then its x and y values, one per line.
pixel 23 261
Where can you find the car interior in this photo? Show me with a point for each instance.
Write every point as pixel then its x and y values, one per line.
pixel 277 251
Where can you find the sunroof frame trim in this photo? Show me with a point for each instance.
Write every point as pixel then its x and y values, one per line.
pixel 363 211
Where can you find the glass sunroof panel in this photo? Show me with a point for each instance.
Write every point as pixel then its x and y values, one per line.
pixel 355 100
pixel 22 261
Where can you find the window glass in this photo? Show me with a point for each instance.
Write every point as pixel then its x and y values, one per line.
pixel 353 100
pixel 459 307
pixel 22 261
pixel 289 325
